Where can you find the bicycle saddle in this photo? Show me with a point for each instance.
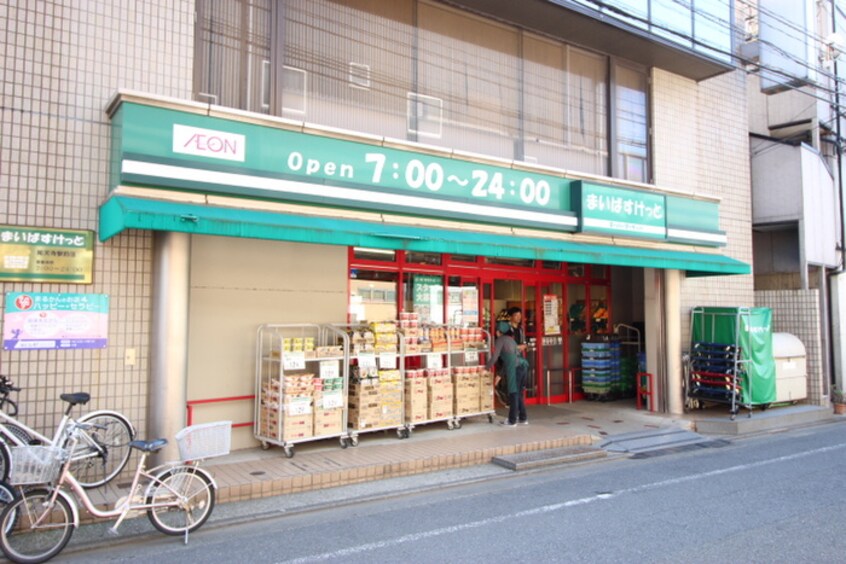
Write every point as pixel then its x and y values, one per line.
pixel 149 446
pixel 78 398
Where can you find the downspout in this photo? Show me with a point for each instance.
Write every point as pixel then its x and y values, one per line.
pixel 829 318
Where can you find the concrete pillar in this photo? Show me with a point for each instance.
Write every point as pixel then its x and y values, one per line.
pixel 169 346
pixel 653 329
pixel 673 344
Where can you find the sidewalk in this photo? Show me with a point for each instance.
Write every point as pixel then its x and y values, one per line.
pixel 254 473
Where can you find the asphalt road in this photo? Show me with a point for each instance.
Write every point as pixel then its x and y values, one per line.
pixel 772 498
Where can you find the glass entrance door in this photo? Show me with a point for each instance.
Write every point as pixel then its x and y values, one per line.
pixel 523 294
pixel 553 379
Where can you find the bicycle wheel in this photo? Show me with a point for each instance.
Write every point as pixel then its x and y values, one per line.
pixel 104 450
pixel 9 407
pixel 19 433
pixel 7 496
pixel 22 540
pixel 5 461
pixel 185 499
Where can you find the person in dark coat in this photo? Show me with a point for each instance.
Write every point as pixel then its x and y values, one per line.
pixel 505 348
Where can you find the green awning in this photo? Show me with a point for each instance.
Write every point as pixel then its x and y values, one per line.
pixel 121 212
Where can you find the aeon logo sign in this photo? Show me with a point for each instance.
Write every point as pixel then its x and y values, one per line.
pixel 208 143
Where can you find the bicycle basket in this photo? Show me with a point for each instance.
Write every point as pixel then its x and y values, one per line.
pixel 204 440
pixel 35 464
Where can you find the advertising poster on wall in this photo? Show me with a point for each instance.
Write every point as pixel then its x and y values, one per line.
pixel 470 305
pixel 551 321
pixel 37 321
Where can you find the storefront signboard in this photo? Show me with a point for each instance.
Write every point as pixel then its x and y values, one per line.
pixel 32 254
pixel 618 211
pixel 167 148
pixel 37 320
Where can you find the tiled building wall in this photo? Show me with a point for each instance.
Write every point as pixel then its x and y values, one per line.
pixel 61 63
pixel 798 312
pixel 701 145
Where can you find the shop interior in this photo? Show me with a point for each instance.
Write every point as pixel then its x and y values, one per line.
pixel 564 306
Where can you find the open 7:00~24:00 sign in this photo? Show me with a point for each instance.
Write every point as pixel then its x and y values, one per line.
pixel 485 184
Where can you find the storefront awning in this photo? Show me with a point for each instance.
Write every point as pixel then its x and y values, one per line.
pixel 120 213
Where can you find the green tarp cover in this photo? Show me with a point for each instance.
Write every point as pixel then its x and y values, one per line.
pixel 751 330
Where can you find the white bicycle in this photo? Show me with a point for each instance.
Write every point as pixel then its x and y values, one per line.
pixel 101 453
pixel 177 496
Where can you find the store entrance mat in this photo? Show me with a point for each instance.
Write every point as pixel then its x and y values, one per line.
pixel 548 457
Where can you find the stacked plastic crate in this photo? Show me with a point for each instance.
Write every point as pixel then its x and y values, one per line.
pixel 601 369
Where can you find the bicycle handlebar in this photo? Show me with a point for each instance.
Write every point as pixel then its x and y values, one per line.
pixel 6 385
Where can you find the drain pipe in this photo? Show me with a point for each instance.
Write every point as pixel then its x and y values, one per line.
pixel 835 290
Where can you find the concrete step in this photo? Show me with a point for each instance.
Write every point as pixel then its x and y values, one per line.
pixel 771 419
pixel 549 457
pixel 647 441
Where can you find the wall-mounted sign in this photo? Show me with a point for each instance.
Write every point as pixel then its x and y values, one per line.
pixel 31 254
pixel 35 320
pixel 607 209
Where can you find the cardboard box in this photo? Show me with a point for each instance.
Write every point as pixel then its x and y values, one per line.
pixel 328 422
pixel 297 427
pixel 416 400
pixel 361 420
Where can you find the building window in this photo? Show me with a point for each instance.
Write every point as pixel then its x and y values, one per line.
pixel 427 73
pixel 631 124
pixel 233 65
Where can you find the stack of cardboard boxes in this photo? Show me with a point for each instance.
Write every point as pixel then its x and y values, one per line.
pixel 466 380
pixel 365 404
pixel 390 397
pixel 269 416
pixel 440 393
pixel 416 396
pixel 297 400
pixel 486 390
pixel 329 403
pixel 409 326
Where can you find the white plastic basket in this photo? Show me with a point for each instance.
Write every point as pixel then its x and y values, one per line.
pixel 35 464
pixel 204 440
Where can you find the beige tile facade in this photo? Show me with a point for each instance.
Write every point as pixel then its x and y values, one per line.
pixel 701 145
pixel 798 312
pixel 61 62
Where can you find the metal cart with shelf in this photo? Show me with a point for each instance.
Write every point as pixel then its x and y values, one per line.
pixel 467 347
pixel 425 363
pixel 376 390
pixel 730 359
pixel 302 376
